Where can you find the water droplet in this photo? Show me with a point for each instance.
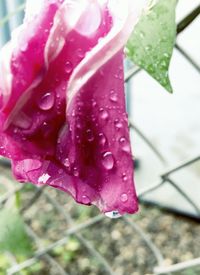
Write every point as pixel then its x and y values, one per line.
pixel 44 178
pixel 103 114
pixel 46 102
pixel 124 177
pixel 124 197
pixel 124 144
pixel 94 103
pixel 113 96
pixel 80 53
pixel 90 136
pixel 118 124
pixel 78 125
pixel 68 67
pixel 108 160
pixel 113 214
pixel 73 113
pixel 85 199
pixel 102 139
pixel 66 163
pixel 76 172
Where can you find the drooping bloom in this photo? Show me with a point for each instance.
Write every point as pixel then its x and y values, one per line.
pixel 62 106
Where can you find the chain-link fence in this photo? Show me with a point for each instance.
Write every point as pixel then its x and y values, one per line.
pixel 71 239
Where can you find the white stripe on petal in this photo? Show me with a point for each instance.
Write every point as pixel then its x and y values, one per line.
pixel 125 15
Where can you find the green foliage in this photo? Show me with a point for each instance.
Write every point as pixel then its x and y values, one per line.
pixel 4 264
pixel 68 252
pixel 152 41
pixel 17 199
pixel 13 236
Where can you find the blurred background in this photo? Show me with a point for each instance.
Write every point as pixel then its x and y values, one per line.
pixel 54 235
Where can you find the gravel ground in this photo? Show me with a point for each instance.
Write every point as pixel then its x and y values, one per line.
pixel 177 238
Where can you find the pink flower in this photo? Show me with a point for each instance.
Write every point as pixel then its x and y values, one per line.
pixel 62 108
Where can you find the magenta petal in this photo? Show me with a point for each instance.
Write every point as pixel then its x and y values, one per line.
pixel 98 141
pixel 62 118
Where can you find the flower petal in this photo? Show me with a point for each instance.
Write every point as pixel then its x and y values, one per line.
pixel 63 120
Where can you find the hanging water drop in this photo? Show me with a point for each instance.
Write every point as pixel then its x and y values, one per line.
pixel 113 214
pixel 47 101
pixel 108 160
pixel 85 199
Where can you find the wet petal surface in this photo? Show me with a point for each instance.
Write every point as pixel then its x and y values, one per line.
pixel 62 118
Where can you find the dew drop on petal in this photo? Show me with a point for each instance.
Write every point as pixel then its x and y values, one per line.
pixel 76 172
pixel 124 177
pixel 89 134
pixel 85 199
pixel 94 103
pixel 124 197
pixel 66 163
pixel 80 53
pixel 118 124
pixel 113 96
pixel 108 160
pixel 124 144
pixel 68 67
pixel 47 101
pixel 113 214
pixel 103 114
pixel 102 139
pixel 73 113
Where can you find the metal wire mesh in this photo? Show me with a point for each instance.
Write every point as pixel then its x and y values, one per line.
pixel 83 231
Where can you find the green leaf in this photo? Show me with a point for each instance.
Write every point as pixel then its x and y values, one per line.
pixel 152 41
pixel 13 236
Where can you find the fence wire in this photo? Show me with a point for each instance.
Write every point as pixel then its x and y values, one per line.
pixel 43 249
